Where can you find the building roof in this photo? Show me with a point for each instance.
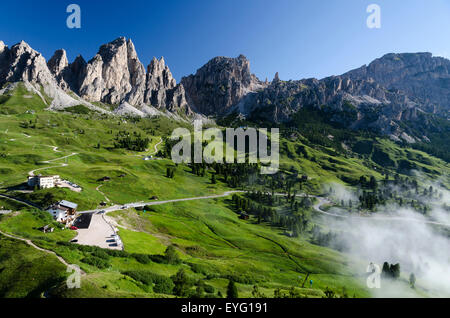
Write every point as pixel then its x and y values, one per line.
pixel 68 204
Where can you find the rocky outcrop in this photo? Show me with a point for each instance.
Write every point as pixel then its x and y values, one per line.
pixel 23 64
pixel 114 76
pixel 220 84
pixel 161 89
pixel 159 81
pixel 357 104
pixel 419 75
pixel 394 89
pixel 59 65
pixel 107 76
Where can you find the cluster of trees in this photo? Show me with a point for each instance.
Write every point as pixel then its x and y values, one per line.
pixel 255 204
pixel 330 239
pixel 369 200
pixel 170 172
pixel 249 206
pixel 391 271
pixel 402 190
pixel 135 143
pixel 369 184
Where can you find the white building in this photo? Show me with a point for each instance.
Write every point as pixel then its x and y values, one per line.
pixel 63 211
pixel 58 214
pixel 43 182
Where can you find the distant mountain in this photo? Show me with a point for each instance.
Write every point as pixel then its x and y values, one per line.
pixel 392 94
pixel 114 76
pixel 221 84
pixel 420 75
pixel 405 96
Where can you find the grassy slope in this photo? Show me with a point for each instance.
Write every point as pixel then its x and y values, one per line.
pixel 207 233
pixel 25 271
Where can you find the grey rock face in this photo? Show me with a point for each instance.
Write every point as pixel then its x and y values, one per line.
pixel 159 81
pixel 162 91
pixel 417 74
pixel 352 103
pixel 58 65
pixel 23 64
pixel 74 73
pixel 116 75
pixel 107 77
pixel 220 84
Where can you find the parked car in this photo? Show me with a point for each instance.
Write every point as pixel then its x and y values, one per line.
pixel 73 228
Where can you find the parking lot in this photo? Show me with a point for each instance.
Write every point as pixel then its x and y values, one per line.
pixel 95 231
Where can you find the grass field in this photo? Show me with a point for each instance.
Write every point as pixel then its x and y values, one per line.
pixel 213 244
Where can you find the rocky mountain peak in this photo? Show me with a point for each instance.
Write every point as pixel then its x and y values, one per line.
pixel 276 78
pixel 78 63
pixel 2 47
pixel 421 75
pixel 161 87
pixel 108 78
pixel 159 75
pixel 58 62
pixel 220 84
pixel 23 64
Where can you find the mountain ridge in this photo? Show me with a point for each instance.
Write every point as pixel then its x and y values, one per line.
pixel 395 89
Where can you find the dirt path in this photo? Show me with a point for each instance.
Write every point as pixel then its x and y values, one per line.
pixel 31 173
pixel 156 147
pixel 30 243
pixel 98 189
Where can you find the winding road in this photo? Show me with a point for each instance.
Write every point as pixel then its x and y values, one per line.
pixel 143 204
pixel 323 201
pixel 31 173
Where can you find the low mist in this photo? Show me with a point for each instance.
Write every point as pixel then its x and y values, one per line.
pixel 399 234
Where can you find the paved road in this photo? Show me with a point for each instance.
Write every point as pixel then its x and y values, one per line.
pixel 142 204
pixel 27 203
pixel 323 201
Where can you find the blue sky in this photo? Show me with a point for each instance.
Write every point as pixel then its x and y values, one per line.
pixel 298 39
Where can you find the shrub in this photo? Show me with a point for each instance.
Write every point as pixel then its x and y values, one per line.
pixel 101 254
pixel 142 258
pixel 118 253
pixel 95 261
pixel 171 255
pixel 162 284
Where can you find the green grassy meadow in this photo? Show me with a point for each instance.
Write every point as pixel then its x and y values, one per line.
pixel 214 245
